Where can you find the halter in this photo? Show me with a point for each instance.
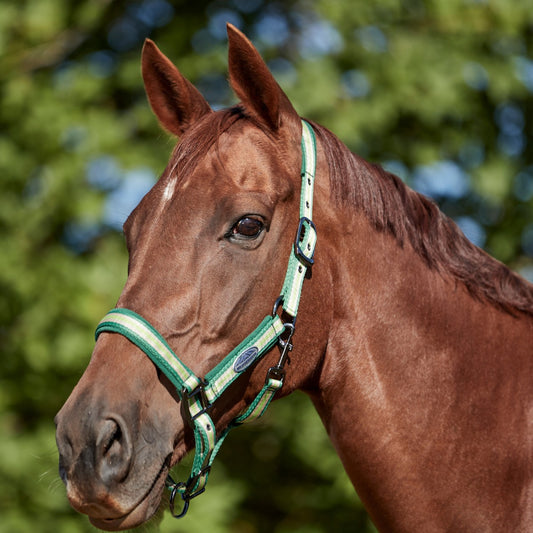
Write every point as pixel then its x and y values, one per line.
pixel 197 394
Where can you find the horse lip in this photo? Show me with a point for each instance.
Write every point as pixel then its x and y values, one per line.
pixel 143 510
pixel 148 505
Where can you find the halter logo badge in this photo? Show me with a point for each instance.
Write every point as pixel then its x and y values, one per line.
pixel 245 359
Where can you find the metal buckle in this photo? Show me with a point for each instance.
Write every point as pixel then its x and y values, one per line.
pixel 307 261
pixel 191 482
pixel 186 396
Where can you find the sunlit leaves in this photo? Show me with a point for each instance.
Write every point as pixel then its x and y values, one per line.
pixel 438 91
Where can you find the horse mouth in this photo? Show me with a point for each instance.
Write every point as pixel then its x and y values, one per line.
pixel 143 510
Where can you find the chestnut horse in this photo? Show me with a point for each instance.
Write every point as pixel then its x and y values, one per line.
pixel 415 346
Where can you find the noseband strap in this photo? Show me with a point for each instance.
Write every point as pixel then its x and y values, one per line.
pixel 197 395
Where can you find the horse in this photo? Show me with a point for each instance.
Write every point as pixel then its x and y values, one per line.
pixel 414 345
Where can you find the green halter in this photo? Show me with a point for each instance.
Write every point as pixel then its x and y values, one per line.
pixel 197 395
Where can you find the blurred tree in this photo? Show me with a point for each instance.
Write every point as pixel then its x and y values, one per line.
pixel 439 91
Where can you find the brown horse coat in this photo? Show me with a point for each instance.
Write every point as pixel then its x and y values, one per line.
pixel 414 345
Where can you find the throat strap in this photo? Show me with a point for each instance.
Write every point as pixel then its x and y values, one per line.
pixel 197 394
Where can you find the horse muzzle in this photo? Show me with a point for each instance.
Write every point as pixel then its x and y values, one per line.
pixel 113 470
pixel 117 436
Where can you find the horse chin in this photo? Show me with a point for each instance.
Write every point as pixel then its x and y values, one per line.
pixel 143 511
pixel 149 504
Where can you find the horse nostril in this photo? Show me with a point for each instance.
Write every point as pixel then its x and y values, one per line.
pixel 114 450
pixel 113 436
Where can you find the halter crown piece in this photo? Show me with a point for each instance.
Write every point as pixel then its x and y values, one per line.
pixel 197 395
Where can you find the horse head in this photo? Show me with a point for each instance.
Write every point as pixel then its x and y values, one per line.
pixel 208 249
pixel 414 345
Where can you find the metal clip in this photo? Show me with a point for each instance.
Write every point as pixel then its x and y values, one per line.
pixel 285 345
pixel 275 372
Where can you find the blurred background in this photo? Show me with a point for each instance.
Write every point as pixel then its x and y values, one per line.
pixel 438 91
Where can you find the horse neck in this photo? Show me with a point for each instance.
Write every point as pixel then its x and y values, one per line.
pixel 418 379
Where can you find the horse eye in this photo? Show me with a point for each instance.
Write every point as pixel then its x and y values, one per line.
pixel 248 228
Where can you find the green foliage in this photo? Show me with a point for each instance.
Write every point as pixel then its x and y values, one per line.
pixel 417 85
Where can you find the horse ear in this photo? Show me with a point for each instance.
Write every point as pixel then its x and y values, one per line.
pixel 174 100
pixel 255 85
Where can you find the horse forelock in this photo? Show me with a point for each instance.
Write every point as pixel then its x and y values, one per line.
pixel 408 216
pixel 203 136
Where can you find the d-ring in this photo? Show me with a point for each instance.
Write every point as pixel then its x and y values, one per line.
pixel 176 490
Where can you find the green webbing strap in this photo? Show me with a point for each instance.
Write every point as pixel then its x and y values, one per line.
pixel 198 395
pixel 141 333
pixel 244 355
pixel 302 257
pixel 261 402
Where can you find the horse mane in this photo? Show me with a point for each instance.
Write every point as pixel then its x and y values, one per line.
pixel 408 216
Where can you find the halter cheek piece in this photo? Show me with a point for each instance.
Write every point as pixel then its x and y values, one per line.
pixel 197 395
